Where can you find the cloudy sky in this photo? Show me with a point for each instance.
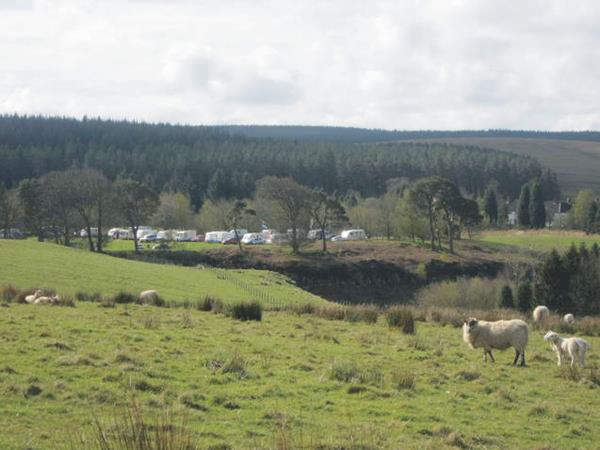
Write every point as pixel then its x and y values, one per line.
pixel 380 64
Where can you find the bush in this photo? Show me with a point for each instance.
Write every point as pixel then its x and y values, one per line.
pixel 361 313
pixel 124 297
pixel 8 292
pixel 524 297
pixel 506 297
pixel 333 312
pixel 210 304
pixel 246 311
pixel 401 317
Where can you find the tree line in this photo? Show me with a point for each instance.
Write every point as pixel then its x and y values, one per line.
pixel 214 163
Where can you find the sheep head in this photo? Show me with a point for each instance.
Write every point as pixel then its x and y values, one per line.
pixel 551 336
pixel 470 323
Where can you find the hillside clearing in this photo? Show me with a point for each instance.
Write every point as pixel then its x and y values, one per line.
pixel 538 240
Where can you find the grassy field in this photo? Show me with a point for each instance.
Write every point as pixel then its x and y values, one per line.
pixel 576 163
pixel 539 241
pixel 27 264
pixel 286 382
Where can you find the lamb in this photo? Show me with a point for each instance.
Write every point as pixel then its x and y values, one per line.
pixel 574 347
pixel 31 298
pixel 148 296
pixel 497 335
pixel 540 314
pixel 46 300
pixel 569 318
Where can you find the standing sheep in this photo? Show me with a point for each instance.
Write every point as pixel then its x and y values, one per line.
pixel 569 318
pixel 497 335
pixel 573 347
pixel 540 314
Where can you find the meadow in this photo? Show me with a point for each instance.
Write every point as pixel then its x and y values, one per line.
pixel 538 240
pixel 29 264
pixel 289 381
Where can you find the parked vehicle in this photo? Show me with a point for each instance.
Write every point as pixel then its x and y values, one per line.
pixel 215 236
pixel 314 235
pixel 83 232
pixel 120 233
pixel 277 238
pixel 229 238
pixel 148 238
pixel 144 231
pixel 240 232
pixel 354 235
pixel 12 233
pixel 199 238
pixel 166 235
pixel 185 235
pixel 336 238
pixel 253 239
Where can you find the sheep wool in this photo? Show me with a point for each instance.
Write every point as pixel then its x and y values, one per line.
pixel 540 313
pixel 569 318
pixel 573 347
pixel 499 335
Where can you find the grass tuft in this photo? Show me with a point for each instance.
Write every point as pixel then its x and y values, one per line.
pixel 246 311
pixel 401 317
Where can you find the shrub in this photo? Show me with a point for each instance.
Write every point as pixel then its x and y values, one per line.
pixel 8 292
pixel 333 312
pixel 129 428
pixel 524 297
pixel 350 372
pixel 210 304
pixel 401 317
pixel 83 296
pixel 361 313
pixel 304 308
pixel 506 297
pixel 124 297
pixel 403 379
pixel 246 311
pixel 65 300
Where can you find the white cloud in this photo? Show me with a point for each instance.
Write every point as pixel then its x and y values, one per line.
pixel 389 64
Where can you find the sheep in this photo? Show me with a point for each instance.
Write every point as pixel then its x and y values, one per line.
pixel 31 298
pixel 148 296
pixel 497 335
pixel 574 347
pixel 569 318
pixel 44 300
pixel 540 314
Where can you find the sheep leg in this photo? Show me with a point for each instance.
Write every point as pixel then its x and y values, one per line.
pixel 516 357
pixel 523 358
pixel 491 356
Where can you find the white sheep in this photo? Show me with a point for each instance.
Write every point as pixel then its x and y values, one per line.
pixel 497 335
pixel 569 318
pixel 540 314
pixel 148 296
pixel 31 298
pixel 574 347
pixel 44 300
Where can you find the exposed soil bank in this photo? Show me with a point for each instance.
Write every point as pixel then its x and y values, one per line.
pixel 347 280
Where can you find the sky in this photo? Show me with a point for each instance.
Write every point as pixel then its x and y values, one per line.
pixel 407 65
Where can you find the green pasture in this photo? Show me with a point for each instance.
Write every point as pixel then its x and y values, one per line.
pixel 287 382
pixel 539 241
pixel 28 264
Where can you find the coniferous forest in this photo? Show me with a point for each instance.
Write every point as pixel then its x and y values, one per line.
pixel 220 163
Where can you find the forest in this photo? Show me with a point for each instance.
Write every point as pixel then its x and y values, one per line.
pixel 219 163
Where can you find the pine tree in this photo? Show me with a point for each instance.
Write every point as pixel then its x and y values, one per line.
pixel 506 297
pixel 524 297
pixel 537 210
pixel 552 283
pixel 523 210
pixel 491 206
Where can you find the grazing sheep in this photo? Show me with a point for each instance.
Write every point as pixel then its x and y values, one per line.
pixel 33 297
pixel 574 347
pixel 569 318
pixel 148 296
pixel 540 314
pixel 497 335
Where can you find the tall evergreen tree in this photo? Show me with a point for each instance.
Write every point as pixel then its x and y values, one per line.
pixel 506 297
pixel 523 209
pixel 491 206
pixel 524 297
pixel 537 210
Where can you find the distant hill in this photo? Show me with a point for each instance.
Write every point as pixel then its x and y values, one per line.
pixel 356 135
pixel 576 163
pixel 573 155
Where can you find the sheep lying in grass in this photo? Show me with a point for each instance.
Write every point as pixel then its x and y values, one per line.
pixel 148 296
pixel 569 318
pixel 497 335
pixel 574 347
pixel 46 300
pixel 31 298
pixel 540 314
